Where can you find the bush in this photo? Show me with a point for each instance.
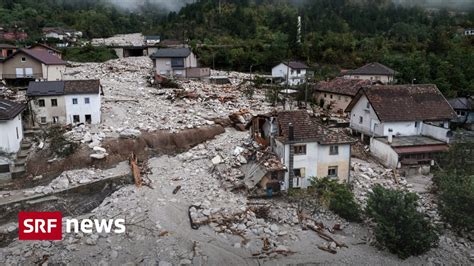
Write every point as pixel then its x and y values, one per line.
pixel 89 53
pixel 59 145
pixel 338 198
pixel 400 227
pixel 456 186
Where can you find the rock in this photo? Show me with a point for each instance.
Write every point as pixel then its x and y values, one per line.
pixel 11 228
pixel 99 149
pixel 206 212
pixel 130 133
pixel 41 145
pixel 237 245
pixel 184 262
pixel 113 254
pixel 333 245
pixel 282 248
pixel 87 138
pixel 274 228
pixel 47 190
pixel 98 156
pixel 217 160
pixel 164 263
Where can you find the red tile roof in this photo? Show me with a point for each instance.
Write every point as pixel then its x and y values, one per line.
pixel 342 86
pixel 394 103
pixel 307 129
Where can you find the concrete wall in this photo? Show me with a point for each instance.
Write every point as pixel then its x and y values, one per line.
pixel 315 162
pixel 54 72
pixel 382 78
pixel 11 134
pixel 82 109
pixel 384 152
pixel 163 66
pixel 402 128
pixel 340 102
pixel 119 52
pixel 10 66
pixel 370 123
pixel 48 110
pixel 198 72
pixel 439 133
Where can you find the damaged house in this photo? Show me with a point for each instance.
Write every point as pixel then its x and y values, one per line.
pixel 11 126
pixel 177 63
pixel 374 72
pixel 407 124
pixel 65 102
pixel 304 146
pixel 336 94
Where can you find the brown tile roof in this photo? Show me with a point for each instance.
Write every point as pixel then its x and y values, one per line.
pixel 296 64
pixel 394 103
pixel 40 55
pixel 91 86
pixel 307 129
pixel 342 86
pixel 9 109
pixel 45 46
pixel 372 69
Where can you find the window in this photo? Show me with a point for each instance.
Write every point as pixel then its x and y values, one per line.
pixel 87 100
pixel 298 71
pixel 43 120
pixel 74 100
pixel 417 124
pixel 361 120
pixel 88 119
pixel 333 150
pixel 41 103
pixel 54 102
pixel 76 119
pixel 325 95
pixel 331 96
pixel 300 172
pixel 55 119
pixel 300 149
pixel 23 59
pixel 177 62
pixel 368 105
pixel 332 171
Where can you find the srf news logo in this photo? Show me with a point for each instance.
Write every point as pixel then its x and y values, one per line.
pixel 48 226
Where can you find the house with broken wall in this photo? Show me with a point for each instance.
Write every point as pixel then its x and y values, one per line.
pixel 336 94
pixel 306 148
pixel 464 108
pixel 177 63
pixel 65 102
pixel 407 125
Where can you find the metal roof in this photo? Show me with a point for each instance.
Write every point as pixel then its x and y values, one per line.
pixel 9 109
pixel 172 53
pixel 51 88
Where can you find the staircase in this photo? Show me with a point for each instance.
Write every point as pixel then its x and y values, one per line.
pixel 19 165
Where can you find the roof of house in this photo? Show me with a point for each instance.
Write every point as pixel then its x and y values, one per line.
pixel 462 103
pixel 152 37
pixel 342 86
pixel 5 45
pixel 307 129
pixel 43 56
pixel 172 53
pixel 372 69
pixel 394 103
pixel 45 46
pixel 51 88
pixel 296 65
pixel 9 109
pixel 171 42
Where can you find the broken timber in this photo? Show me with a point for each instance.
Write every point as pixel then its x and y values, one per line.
pixel 135 170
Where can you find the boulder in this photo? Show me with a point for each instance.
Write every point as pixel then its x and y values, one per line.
pixel 98 156
pixel 130 133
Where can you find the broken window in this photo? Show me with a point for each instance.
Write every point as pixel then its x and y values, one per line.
pixel 74 100
pixel 332 171
pixel 299 149
pixel 54 102
pixel 333 150
pixel 76 118
pixel 41 103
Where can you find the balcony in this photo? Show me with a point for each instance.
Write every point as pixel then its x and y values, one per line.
pixel 22 76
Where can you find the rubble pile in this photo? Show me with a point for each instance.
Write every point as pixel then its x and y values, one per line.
pixel 133 39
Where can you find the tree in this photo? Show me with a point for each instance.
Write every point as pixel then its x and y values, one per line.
pixel 400 227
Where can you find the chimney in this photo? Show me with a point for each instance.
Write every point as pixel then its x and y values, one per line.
pixel 390 136
pixel 291 132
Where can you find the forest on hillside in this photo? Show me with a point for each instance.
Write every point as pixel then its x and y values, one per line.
pixel 423 45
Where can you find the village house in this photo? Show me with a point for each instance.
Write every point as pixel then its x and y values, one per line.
pixel 177 63
pixel 65 102
pixel 294 72
pixel 152 40
pixel 304 146
pixel 25 65
pixel 469 32
pixel 11 126
pixel 44 47
pixel 336 94
pixel 6 50
pixel 374 72
pixel 464 108
pixel 407 124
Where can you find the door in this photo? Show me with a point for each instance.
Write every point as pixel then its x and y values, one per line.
pixel 19 73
